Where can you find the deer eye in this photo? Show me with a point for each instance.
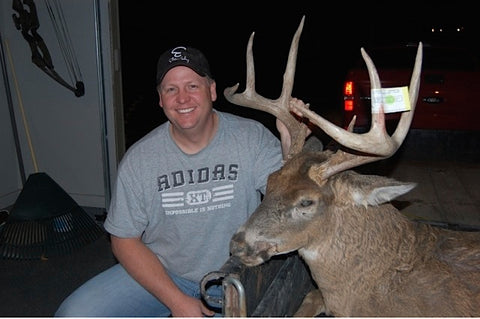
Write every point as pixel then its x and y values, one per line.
pixel 306 202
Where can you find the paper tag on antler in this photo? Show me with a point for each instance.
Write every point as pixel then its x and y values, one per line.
pixel 392 99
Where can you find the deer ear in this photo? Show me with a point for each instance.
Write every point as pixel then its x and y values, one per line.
pixel 385 194
pixel 375 190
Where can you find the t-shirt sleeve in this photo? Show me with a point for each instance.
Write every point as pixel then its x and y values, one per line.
pixel 126 218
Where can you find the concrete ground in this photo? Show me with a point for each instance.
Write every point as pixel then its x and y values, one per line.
pixel 446 168
pixel 447 192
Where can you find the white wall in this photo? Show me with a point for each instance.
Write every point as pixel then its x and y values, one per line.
pixel 77 141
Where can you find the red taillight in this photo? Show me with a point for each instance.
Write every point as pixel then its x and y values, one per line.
pixel 348 89
pixel 348 96
pixel 348 105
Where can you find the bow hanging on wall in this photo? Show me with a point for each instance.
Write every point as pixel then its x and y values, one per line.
pixel 27 21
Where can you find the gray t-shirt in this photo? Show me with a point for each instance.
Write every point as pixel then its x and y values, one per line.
pixel 187 207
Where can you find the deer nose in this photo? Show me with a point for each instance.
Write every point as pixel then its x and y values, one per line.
pixel 237 244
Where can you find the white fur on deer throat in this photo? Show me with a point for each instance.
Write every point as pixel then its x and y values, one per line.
pixel 308 254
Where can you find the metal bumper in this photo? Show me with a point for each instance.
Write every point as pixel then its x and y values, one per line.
pixel 273 289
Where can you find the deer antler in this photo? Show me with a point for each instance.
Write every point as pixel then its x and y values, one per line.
pixel 377 144
pixel 279 107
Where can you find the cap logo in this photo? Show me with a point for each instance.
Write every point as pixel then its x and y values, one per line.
pixel 177 54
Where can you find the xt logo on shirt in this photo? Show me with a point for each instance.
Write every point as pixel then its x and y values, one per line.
pixel 212 197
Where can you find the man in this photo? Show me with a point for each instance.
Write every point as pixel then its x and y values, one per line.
pixel 181 193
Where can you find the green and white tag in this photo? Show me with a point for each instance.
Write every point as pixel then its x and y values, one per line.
pixel 392 99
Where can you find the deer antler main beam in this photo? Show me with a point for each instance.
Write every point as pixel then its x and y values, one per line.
pixel 279 107
pixel 376 144
pixel 376 141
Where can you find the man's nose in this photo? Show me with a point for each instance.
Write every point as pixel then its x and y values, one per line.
pixel 183 96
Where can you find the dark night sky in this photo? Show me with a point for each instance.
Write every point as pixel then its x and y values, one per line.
pixel 327 48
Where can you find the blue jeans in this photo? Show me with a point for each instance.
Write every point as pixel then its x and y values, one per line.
pixel 113 293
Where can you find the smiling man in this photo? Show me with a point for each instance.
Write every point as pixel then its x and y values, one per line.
pixel 181 192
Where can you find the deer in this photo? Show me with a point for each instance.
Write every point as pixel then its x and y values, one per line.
pixel 365 257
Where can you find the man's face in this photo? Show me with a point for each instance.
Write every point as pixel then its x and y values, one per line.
pixel 186 98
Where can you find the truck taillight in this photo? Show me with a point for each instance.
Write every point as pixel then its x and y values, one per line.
pixel 348 96
pixel 348 88
pixel 348 105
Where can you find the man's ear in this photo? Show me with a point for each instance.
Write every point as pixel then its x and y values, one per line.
pixel 159 98
pixel 213 90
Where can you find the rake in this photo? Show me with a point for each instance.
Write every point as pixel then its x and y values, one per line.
pixel 44 221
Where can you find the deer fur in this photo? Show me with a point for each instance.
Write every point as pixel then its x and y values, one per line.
pixel 365 256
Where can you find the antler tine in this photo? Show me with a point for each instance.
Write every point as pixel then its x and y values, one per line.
pixel 376 141
pixel 377 144
pixel 406 119
pixel 279 107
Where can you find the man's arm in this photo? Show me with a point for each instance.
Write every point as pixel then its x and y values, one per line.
pixel 144 266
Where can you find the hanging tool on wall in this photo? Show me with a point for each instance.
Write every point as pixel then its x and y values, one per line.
pixel 45 220
pixel 27 21
pixel 8 93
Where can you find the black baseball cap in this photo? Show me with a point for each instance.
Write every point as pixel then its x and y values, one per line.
pixel 182 55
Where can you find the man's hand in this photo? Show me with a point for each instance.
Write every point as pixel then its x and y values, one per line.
pixel 297 104
pixel 191 307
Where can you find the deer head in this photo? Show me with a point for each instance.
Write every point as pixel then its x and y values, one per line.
pixel 297 194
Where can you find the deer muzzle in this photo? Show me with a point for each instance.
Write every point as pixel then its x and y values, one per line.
pixel 251 254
